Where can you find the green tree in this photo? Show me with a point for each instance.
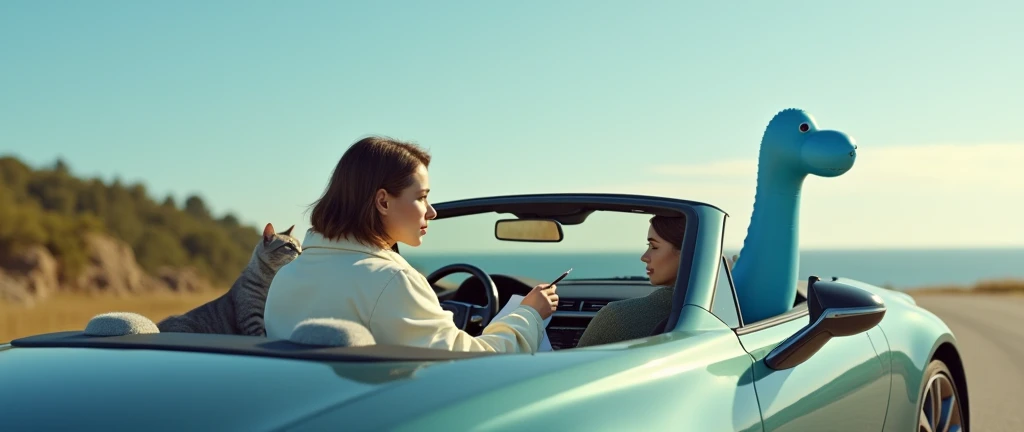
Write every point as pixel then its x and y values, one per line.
pixel 196 208
pixel 60 167
pixel 15 175
pixel 158 247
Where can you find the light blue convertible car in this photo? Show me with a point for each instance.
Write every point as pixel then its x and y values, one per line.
pixel 847 356
pixel 750 350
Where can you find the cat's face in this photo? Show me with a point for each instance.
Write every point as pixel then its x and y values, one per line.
pixel 277 249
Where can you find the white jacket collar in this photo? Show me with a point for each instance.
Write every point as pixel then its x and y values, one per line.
pixel 315 240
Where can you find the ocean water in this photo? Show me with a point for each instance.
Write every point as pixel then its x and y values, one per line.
pixel 899 269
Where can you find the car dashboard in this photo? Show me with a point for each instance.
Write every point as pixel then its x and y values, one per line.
pixel 579 300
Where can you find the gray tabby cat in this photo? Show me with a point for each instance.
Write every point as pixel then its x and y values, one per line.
pixel 240 310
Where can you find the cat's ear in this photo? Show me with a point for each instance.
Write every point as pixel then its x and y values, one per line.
pixel 268 233
pixel 288 231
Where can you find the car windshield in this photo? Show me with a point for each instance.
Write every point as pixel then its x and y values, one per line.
pixel 608 245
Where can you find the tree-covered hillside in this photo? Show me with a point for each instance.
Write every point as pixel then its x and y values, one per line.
pixel 51 207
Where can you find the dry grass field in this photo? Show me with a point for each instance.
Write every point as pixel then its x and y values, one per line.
pixel 72 311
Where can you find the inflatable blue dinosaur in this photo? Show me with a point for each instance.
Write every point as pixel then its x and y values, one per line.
pixel 792 147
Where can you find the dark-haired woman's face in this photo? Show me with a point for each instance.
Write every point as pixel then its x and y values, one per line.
pixel 406 215
pixel 662 260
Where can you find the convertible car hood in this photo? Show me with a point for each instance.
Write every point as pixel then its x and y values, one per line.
pixel 101 389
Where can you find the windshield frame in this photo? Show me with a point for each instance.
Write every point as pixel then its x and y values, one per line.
pixel 702 244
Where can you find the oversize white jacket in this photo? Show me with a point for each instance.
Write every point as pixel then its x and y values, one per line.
pixel 378 288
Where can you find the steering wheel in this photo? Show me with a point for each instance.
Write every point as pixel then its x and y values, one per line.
pixel 469 316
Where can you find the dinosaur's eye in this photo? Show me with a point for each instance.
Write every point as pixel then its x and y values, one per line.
pixel 804 127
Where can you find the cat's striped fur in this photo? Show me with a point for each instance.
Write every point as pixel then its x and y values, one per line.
pixel 240 310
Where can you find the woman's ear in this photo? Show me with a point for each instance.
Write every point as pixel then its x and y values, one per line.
pixel 380 200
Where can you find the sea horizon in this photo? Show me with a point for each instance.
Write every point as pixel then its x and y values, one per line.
pixel 901 269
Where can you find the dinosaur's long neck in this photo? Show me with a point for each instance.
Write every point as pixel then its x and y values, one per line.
pixel 765 275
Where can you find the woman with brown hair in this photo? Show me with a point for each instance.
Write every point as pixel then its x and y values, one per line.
pixel 638 317
pixel 350 267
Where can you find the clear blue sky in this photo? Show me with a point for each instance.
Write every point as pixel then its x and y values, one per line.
pixel 251 103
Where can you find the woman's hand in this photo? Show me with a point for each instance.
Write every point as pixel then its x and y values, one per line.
pixel 544 299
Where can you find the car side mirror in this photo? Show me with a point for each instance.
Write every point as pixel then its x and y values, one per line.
pixel 836 310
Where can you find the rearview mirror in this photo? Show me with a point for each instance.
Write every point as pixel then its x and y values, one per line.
pixel 836 310
pixel 528 230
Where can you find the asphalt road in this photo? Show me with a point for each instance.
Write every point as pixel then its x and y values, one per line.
pixel 990 329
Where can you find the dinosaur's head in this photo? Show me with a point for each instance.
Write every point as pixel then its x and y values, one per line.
pixel 793 140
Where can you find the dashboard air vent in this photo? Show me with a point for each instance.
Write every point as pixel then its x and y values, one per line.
pixel 593 305
pixel 568 305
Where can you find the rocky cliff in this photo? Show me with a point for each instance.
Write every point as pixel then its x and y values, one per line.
pixel 34 274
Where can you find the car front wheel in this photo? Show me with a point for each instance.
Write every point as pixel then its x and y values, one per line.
pixel 940 401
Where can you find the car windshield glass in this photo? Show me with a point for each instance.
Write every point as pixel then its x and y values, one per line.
pixel 608 245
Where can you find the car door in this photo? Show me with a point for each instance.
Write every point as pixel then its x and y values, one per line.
pixel 842 387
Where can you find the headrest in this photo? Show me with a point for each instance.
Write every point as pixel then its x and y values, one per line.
pixel 119 324
pixel 331 332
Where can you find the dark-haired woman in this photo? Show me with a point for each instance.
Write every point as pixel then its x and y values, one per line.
pixel 638 317
pixel 350 269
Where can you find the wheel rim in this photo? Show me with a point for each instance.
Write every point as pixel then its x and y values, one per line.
pixel 940 410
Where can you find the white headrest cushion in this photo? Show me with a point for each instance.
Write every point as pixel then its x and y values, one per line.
pixel 331 332
pixel 119 324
